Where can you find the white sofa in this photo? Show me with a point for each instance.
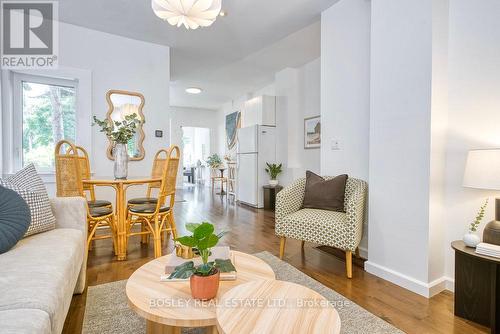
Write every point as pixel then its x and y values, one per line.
pixel 40 274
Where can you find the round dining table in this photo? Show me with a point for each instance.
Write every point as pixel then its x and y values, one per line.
pixel 120 186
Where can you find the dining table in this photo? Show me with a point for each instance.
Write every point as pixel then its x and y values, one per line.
pixel 120 186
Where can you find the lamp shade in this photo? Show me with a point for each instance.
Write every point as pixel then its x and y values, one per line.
pixel 482 169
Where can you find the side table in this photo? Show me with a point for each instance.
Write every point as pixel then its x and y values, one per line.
pixel 270 196
pixel 477 286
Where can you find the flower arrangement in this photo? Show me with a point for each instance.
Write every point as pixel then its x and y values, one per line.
pixel 214 161
pixel 479 218
pixel 119 132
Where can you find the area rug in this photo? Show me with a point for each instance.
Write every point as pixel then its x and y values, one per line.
pixel 107 310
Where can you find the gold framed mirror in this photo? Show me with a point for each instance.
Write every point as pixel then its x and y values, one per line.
pixel 122 103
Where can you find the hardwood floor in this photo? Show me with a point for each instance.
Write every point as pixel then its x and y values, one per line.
pixel 252 231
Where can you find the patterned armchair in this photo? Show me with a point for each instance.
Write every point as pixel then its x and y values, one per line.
pixel 330 228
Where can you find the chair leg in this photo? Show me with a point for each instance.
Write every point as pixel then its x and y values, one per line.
pixel 348 263
pixel 171 221
pixel 282 247
pixel 302 244
pixel 357 252
pixel 157 237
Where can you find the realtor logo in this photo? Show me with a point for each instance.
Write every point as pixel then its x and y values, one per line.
pixel 29 34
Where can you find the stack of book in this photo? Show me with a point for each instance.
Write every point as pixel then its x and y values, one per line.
pixel 488 249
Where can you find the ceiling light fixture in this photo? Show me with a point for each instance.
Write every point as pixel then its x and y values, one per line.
pixel 190 13
pixel 193 90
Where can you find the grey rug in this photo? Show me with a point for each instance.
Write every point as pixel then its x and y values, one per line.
pixel 107 310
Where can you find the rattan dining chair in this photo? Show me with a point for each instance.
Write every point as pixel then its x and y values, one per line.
pixel 159 164
pixel 69 184
pixel 84 161
pixel 231 180
pixel 158 218
pixel 215 176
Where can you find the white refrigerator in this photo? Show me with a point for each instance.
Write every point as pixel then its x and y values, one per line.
pixel 256 146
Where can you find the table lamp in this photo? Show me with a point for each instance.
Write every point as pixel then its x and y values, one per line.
pixel 482 171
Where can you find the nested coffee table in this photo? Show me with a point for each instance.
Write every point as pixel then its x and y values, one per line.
pixel 168 306
pixel 264 307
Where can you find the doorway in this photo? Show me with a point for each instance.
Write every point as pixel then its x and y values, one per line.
pixel 196 149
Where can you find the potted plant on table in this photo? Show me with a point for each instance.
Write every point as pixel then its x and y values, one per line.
pixel 120 133
pixel 273 170
pixel 471 239
pixel 204 278
pixel 214 161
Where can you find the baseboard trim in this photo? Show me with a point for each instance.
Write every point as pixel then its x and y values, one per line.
pixel 424 289
pixel 363 252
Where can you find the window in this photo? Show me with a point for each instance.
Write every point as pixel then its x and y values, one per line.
pixel 45 111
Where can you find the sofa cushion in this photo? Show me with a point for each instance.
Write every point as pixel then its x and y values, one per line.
pixel 41 272
pixel 319 226
pixel 24 321
pixel 15 218
pixel 324 194
pixel 30 186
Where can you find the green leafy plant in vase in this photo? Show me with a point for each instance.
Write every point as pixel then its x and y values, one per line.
pixel 273 170
pixel 204 278
pixel 120 133
pixel 471 239
pixel 214 161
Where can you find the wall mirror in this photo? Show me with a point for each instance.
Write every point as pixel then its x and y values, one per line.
pixel 122 103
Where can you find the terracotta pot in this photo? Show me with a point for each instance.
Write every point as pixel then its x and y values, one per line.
pixel 204 287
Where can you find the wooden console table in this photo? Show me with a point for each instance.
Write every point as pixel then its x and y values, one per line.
pixel 477 286
pixel 270 196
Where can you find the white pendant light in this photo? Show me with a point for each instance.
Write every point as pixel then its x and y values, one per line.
pixel 190 13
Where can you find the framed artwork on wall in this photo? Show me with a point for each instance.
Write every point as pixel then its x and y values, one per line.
pixel 312 132
pixel 232 125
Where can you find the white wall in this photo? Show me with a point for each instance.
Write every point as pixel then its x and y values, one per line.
pixel 400 118
pixel 192 117
pixel 474 109
pixel 119 63
pixel 345 88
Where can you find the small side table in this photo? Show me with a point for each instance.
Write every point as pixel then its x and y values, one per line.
pixel 270 196
pixel 477 286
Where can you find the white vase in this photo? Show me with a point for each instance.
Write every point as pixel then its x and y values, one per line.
pixel 120 153
pixel 471 239
pixel 273 183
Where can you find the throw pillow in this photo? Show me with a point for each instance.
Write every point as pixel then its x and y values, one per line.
pixel 29 185
pixel 324 194
pixel 15 218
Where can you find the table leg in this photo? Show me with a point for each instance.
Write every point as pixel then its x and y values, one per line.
pixel 121 229
pixel 156 328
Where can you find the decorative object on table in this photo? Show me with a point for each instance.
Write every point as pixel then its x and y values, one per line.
pixel 320 226
pixel 482 171
pixel 488 249
pixel 477 295
pixel 273 170
pixel 190 13
pixel 270 193
pixel 312 132
pixel 204 278
pixel 15 218
pixel 471 239
pixel 121 133
pixel 184 252
pixel 233 123
pixel 214 161
pixel 122 104
pixel 29 185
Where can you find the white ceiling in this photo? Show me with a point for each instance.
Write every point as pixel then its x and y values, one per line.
pixel 238 53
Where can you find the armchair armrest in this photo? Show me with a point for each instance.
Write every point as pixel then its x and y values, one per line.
pixel 355 202
pixel 289 200
pixel 71 212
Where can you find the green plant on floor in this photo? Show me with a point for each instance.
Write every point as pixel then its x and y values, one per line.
pixel 214 161
pixel 119 132
pixel 203 239
pixel 273 170
pixel 479 218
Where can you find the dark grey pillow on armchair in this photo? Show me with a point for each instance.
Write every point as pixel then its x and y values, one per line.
pixel 324 194
pixel 15 218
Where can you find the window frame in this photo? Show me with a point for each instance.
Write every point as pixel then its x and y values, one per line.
pixel 17 106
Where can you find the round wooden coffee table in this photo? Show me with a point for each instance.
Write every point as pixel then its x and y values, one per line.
pixel 168 306
pixel 275 307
